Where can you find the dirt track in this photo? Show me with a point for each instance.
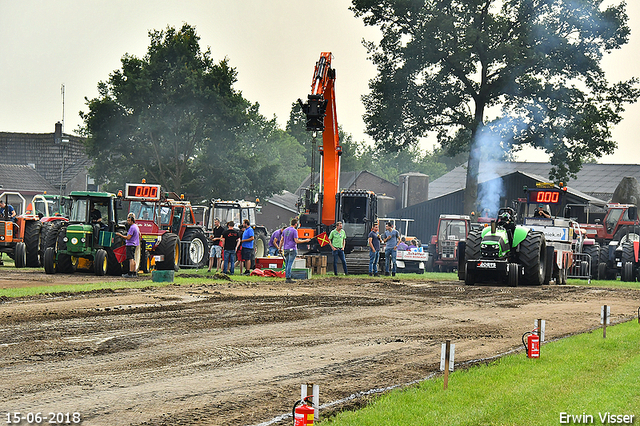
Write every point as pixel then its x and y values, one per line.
pixel 208 355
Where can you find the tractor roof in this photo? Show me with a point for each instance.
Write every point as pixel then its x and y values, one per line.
pixel 92 194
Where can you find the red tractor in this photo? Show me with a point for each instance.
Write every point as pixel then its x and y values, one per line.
pixel 443 247
pixel 166 215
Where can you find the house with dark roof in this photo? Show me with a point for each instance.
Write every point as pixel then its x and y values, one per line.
pixel 278 210
pixel 593 187
pixel 596 180
pixel 57 158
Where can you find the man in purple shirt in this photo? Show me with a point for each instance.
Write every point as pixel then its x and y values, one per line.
pixel 274 241
pixel 133 241
pixel 289 247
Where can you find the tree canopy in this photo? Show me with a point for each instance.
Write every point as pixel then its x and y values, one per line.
pixel 174 118
pixel 492 76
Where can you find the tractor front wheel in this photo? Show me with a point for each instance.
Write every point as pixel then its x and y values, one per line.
pixel 100 263
pixel 49 260
pixel 197 254
pixel 169 247
pixel 20 255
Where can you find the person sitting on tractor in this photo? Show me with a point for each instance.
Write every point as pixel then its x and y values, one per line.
pixel 506 219
pixel 7 211
pixel 96 217
pixel 540 212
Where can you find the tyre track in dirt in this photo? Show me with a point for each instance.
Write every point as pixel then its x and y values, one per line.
pixel 209 354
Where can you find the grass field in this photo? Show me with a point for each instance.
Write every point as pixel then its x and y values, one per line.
pixel 584 375
pixel 191 277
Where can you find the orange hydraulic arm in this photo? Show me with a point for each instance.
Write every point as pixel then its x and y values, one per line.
pixel 321 116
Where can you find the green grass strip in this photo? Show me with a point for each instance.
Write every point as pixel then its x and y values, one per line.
pixel 583 374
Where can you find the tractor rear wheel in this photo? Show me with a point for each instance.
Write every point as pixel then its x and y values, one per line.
pixel 197 252
pixel 20 255
pixel 32 242
pixel 533 253
pixel 602 271
pixel 49 260
pixel 169 247
pixel 472 245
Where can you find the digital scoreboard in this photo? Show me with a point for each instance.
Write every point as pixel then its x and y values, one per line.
pixel 142 192
pixel 544 196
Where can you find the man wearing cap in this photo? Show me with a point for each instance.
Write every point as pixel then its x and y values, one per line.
pixel 133 241
pixel 540 212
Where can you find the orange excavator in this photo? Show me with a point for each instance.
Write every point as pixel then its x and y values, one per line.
pixel 324 204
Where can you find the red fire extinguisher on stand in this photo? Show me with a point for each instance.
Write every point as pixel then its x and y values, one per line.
pixel 533 343
pixel 303 415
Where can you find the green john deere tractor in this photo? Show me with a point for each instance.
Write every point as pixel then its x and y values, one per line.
pixel 87 241
pixel 507 253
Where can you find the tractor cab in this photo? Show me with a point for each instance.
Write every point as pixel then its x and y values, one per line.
pixel 357 210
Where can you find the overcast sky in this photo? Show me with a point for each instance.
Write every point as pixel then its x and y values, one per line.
pixel 273 44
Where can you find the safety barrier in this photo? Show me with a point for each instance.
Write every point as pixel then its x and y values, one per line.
pixel 581 267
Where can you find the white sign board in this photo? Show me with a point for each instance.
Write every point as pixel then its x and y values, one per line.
pixel 452 352
pixel 553 233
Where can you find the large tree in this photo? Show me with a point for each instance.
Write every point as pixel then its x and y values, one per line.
pixel 174 118
pixel 490 76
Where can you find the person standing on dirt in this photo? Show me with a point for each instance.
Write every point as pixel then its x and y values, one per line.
pixel 215 254
pixel 275 241
pixel 133 241
pixel 374 250
pixel 247 246
pixel 391 237
pixel 230 243
pixel 337 238
pixel 289 246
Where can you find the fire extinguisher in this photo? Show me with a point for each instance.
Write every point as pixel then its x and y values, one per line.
pixel 532 346
pixel 303 415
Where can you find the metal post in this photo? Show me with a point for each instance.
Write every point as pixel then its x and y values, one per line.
pixel 446 364
pixel 604 321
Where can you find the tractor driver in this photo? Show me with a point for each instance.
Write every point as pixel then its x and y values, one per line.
pixel 540 212
pixel 507 221
pixel 7 210
pixel 95 216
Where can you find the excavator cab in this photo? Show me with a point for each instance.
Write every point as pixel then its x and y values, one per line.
pixel 357 210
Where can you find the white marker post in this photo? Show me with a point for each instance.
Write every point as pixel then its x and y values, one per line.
pixel 540 328
pixel 605 315
pixel 447 356
pixel 315 390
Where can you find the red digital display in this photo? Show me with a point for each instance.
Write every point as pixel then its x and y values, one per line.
pixel 142 192
pixel 544 197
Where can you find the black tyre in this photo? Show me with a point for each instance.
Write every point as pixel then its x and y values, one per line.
pixel 626 234
pixel 65 263
pixel 144 258
pixel 197 251
pixel 604 252
pixel 20 255
pixel 550 259
pixel 472 245
pixel 32 242
pixel 49 260
pixel 594 252
pixel 513 275
pixel 49 233
pixel 533 253
pixel 260 243
pixel 114 268
pixel 602 271
pixel 100 263
pixel 169 247
pixel 462 260
pixel 469 278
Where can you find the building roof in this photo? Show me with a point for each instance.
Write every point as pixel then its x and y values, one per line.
pixel 286 200
pixel 23 178
pixel 598 180
pixel 347 179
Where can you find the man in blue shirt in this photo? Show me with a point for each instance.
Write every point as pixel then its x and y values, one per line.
pixel 374 250
pixel 391 237
pixel 247 246
pixel 10 212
